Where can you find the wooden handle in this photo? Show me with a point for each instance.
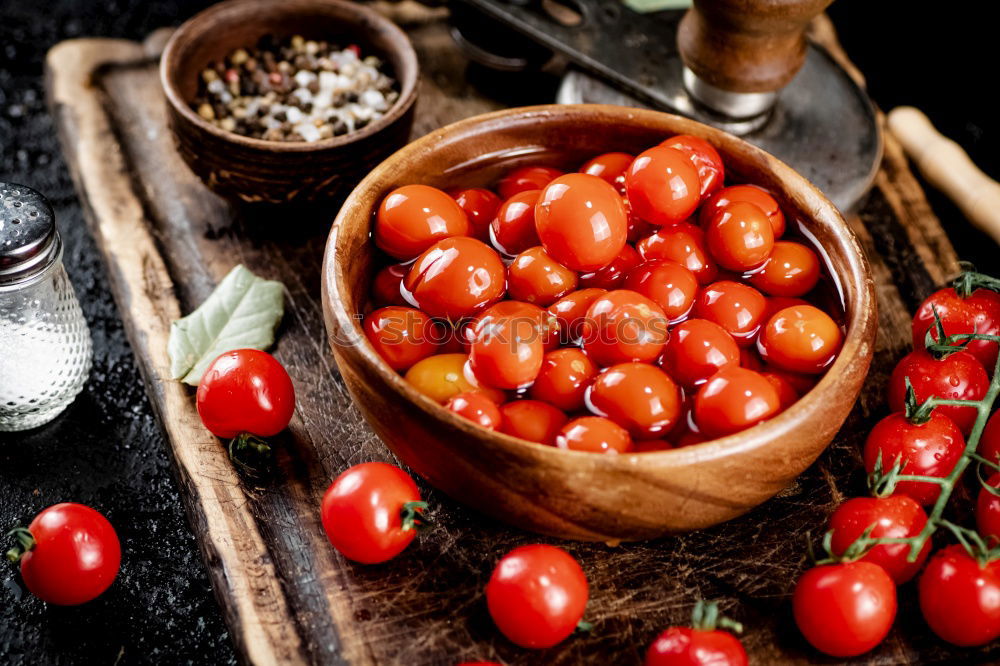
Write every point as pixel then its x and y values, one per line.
pixel 746 45
pixel 948 168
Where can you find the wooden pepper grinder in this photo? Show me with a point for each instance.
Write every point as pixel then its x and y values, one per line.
pixel 738 54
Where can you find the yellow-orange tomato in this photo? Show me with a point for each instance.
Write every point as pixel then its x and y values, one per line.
pixel 455 278
pixel 749 194
pixel 663 186
pixel 476 407
pixel 682 243
pixel 732 400
pixel 414 217
pixel 736 307
pixel 570 311
pixel 666 283
pixel 513 228
pixel 704 157
pixel 696 350
pixel 740 236
pixel 791 270
pixel 800 338
pixel 637 396
pixel 443 376
pixel 623 326
pixel 524 179
pixel 532 420
pixel 581 221
pixel 506 351
pixel 609 167
pixel 613 275
pixel 403 336
pixel 563 379
pixel 594 434
pixel 480 206
pixel 535 277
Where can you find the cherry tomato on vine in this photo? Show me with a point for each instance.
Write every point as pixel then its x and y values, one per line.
pixel 623 326
pixel 564 378
pixel 637 396
pixel 610 167
pixel 668 284
pixel 371 511
pixel 613 274
pixel 740 237
pixel 988 512
pixel 402 336
pixel 732 400
pixel 979 312
pixel 663 186
pixel 960 599
pixel 594 434
pixel 533 420
pixel 414 217
pixel 455 278
pixel 535 277
pixel 480 206
pixel 800 338
pixel 748 194
pixel 69 555
pixel 512 230
pixel 989 441
pixel 443 376
pixel 683 243
pixel 736 307
pixel 959 376
pixel 791 270
pixel 475 406
pixel 525 179
pixel 571 309
pixel 895 517
pixel 385 286
pixel 506 351
pixel 696 350
pixel 696 646
pixel 704 157
pixel 245 391
pixel 581 221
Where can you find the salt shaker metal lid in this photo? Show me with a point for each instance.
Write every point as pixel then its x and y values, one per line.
pixel 28 240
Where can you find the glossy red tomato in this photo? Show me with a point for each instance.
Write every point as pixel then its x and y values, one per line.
pixel 775 304
pixel 623 326
pixel 684 646
pixel 402 336
pixel 792 270
pixel 638 228
pixel 610 167
pixel 845 609
pixel 988 512
pixel 71 556
pixel 570 311
pixel 476 407
pixel 535 277
pixel 696 350
pixel 685 244
pixel 732 400
pixel 245 391
pixel 749 194
pixel 385 286
pixel 506 350
pixel 800 338
pixel 443 376
pixel 414 217
pixel 537 595
pixel 740 237
pixel 547 324
pixel 927 449
pixel 960 376
pixel 532 420
pixel 959 599
pixel 455 278
pixel 612 276
pixel 663 186
pixel 524 179
pixel 668 284
pixel 787 393
pixel 581 221
pixel 594 434
pixel 370 512
pixel 480 207
pixel 736 307
pixel 704 157
pixel 564 378
pixel 989 441
pixel 637 396
pixel 513 228
pixel 979 313
pixel 895 517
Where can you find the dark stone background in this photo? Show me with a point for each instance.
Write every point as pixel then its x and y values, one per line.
pixel 107 450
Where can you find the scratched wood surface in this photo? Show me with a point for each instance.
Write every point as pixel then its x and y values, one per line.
pixel 287 596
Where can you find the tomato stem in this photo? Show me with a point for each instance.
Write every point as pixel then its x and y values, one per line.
pixel 583 626
pixel 706 617
pixel 414 517
pixel 969 280
pixel 25 542
pixel 250 453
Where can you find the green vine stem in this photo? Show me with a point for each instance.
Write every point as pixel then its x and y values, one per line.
pixel 25 542
pixel 706 617
pixel 970 280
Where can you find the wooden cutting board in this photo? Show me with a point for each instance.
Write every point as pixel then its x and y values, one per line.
pixel 287 596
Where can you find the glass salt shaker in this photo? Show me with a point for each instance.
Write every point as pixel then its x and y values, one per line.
pixel 45 350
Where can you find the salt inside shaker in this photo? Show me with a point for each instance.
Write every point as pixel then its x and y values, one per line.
pixel 45 349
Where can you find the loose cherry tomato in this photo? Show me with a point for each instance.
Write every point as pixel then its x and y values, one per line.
pixel 845 609
pixel 402 336
pixel 749 194
pixel 69 555
pixel 594 434
pixel 564 378
pixel 637 396
pixel 792 270
pixel 532 420
pixel 989 441
pixel 623 326
pixel 506 351
pixel 959 376
pixel 513 229
pixel 684 646
pixel 537 278
pixel 960 599
pixel 443 376
pixel 650 445
pixel 977 313
pixel 696 350
pixel 668 284
pixel 787 394
pixel 927 449
pixel 480 207
pixel 245 391
pixel 732 400
pixel 895 517
pixel 612 276
pixel 370 512
pixel 581 221
pixel 801 338
pixel 988 512
pixel 685 244
pixel 740 237
pixel 414 217
pixel 736 307
pixel 663 186
pixel 525 179
pixel 609 167
pixel 570 311
pixel 537 595
pixel 476 407
pixel 385 286
pixel 704 157
pixel 455 278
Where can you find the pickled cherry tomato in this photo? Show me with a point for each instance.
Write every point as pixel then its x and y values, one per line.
pixel 535 277
pixel 637 228
pixel 787 395
pixel 682 243
pixel 613 275
pixel 704 157
pixel 506 351
pixel 666 283
pixel 581 221
pixel 563 379
pixel 570 311
pixel 801 338
pixel 480 206
pixel 512 230
pixel 637 396
pixel 791 270
pixel 609 167
pixel 776 303
pixel 663 186
pixel 650 445
pixel 732 400
pixel 402 336
pixel 532 420
pixel 740 237
pixel 750 194
pixel 476 407
pixel 734 306
pixel 414 217
pixel 594 434
pixel 546 323
pixel 696 350
pixel 443 376
pixel 623 326
pixel 524 179
pixel 385 286
pixel 749 358
pixel 455 278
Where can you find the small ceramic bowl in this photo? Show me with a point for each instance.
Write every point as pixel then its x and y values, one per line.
pixel 255 170
pixel 567 493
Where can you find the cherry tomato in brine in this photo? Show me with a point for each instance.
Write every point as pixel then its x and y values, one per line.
pixel 960 598
pixel 787 393
pixel 979 312
pixel 736 307
pixel 684 244
pixel 570 311
pixel 740 237
pixel 245 391
pixel 414 217
pixel 623 326
pixel 704 157
pixel 512 230
pixel 958 376
pixel 668 284
pixel 581 221
pixel 749 194
pixel 734 399
pixel 801 338
pixel 610 167
pixel 443 376
pixel 792 270
pixel 385 286
pixel 696 350
pixel 506 350
pixel 895 517
pixel 564 378
pixel 594 434
pixel 650 445
pixel 637 396
pixel 525 179
pixel 533 420
pixel 476 407
pixel 402 336
pixel 480 206
pixel 612 276
pixel 535 277
pixel 663 186
pixel 455 278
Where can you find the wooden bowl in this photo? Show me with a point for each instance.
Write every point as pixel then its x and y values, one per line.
pixel 259 171
pixel 566 493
